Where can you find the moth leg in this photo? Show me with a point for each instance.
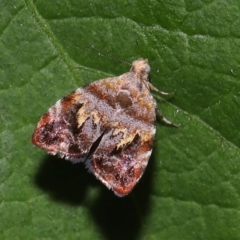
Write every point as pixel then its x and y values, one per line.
pixel 165 120
pixel 158 111
pixel 161 92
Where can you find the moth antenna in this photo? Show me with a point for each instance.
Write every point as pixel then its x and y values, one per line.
pixel 107 54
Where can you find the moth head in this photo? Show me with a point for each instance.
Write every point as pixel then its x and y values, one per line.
pixel 141 67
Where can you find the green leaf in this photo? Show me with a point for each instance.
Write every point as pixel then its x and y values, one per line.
pixel 191 187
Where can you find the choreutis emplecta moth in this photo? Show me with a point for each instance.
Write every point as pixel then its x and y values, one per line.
pixel 108 124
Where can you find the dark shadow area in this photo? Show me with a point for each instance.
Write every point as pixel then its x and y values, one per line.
pixel 123 218
pixel 117 218
pixel 63 180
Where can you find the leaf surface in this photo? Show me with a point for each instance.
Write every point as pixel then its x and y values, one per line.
pixel 191 187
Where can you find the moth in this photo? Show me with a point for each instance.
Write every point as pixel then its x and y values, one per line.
pixel 108 124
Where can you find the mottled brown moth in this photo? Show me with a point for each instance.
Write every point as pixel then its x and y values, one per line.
pixel 109 125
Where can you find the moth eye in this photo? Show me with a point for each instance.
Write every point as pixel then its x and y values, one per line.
pixel 147 68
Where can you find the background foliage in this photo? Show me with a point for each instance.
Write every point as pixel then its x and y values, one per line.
pixel 191 187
